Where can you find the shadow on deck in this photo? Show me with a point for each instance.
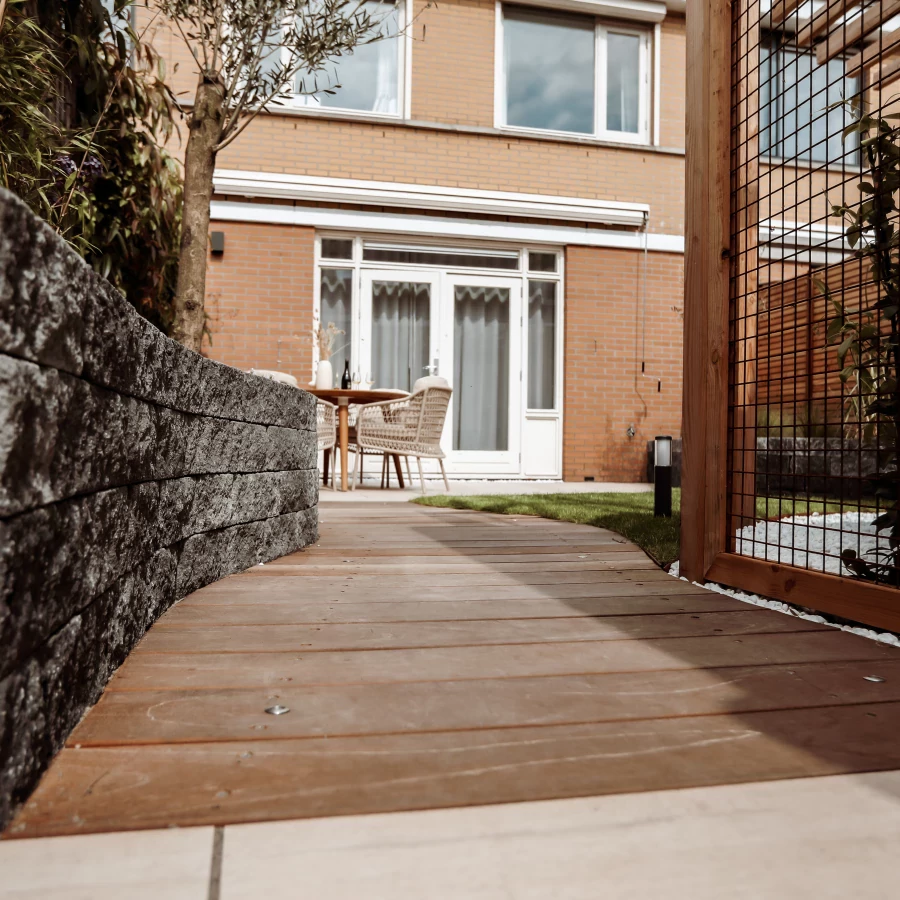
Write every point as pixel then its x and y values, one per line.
pixel 433 658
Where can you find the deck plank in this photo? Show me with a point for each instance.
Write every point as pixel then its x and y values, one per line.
pixel 145 717
pixel 434 658
pixel 239 610
pixel 174 671
pixel 398 635
pixel 153 786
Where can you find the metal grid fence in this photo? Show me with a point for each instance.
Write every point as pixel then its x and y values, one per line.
pixel 814 319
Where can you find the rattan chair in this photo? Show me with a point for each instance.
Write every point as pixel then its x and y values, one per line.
pixel 410 426
pixel 326 431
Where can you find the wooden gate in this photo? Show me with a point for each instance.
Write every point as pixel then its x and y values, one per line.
pixel 792 332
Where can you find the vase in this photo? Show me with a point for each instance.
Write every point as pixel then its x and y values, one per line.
pixel 324 374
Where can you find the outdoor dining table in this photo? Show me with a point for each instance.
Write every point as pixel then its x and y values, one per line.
pixel 342 398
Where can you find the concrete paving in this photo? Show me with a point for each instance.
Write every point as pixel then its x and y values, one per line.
pixel 803 839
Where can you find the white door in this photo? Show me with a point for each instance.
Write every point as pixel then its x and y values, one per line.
pixel 398 326
pixel 480 355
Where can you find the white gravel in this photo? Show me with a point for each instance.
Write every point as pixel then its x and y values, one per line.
pixel 813 542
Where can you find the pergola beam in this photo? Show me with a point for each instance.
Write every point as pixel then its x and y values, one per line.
pixel 846 35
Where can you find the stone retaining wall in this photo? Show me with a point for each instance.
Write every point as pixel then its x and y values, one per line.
pixel 132 472
pixel 831 466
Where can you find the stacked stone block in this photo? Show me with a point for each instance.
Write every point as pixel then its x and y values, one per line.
pixel 132 472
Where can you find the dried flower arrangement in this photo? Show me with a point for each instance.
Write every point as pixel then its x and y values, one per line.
pixel 325 337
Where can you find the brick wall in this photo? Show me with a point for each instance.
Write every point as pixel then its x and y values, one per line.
pixel 259 297
pixel 385 152
pixel 453 84
pixel 672 84
pixel 453 62
pixel 604 391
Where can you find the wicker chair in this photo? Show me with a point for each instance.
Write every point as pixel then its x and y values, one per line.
pixel 410 426
pixel 326 430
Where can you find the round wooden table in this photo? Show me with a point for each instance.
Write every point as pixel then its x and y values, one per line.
pixel 342 399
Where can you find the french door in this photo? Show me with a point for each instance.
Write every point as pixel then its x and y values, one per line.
pixel 466 328
pixel 480 355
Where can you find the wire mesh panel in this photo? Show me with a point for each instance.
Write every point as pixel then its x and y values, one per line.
pixel 814 319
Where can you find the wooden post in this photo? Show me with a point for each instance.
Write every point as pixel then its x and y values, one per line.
pixel 706 287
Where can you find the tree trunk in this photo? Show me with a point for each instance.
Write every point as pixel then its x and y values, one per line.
pixel 199 164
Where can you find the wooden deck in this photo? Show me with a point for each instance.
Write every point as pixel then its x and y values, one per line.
pixel 436 658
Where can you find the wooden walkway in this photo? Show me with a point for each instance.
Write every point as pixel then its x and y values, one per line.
pixel 435 658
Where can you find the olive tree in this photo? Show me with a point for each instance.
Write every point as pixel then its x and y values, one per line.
pixel 248 54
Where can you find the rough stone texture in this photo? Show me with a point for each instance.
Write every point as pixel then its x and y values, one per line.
pixel 132 472
pixel 830 466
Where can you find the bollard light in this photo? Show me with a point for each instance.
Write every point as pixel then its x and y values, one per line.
pixel 662 475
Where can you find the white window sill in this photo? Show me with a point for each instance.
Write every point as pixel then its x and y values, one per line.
pixel 330 112
pixel 777 161
pixel 609 137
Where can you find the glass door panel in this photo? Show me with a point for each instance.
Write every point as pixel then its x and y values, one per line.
pixel 481 318
pixel 481 334
pixel 398 345
pixel 401 333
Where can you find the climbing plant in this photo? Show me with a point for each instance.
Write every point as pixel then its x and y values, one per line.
pixel 869 341
pixel 84 117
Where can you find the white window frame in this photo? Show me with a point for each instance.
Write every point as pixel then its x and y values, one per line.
pixel 357 265
pixel 602 27
pixel 302 103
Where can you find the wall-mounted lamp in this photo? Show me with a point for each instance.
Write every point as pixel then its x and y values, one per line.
pixel 217 242
pixel 662 475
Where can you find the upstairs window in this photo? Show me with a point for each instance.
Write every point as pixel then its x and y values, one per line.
pixel 368 78
pixel 572 74
pixel 801 116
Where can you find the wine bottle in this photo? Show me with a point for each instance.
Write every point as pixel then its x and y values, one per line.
pixel 345 378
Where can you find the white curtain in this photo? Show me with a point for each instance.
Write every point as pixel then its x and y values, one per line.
pixel 401 329
pixel 337 307
pixel 481 368
pixel 541 344
pixel 386 80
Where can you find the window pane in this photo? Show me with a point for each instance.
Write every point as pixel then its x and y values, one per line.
pixel 336 307
pixel 401 327
pixel 623 82
pixel 541 262
pixel 337 248
pixel 437 257
pixel 271 62
pixel 801 111
pixel 480 368
pixel 541 344
pixel 367 78
pixel 549 71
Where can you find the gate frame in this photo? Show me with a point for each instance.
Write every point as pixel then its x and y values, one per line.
pixel 708 253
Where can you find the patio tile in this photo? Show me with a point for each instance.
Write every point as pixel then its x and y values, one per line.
pixel 814 838
pixel 139 865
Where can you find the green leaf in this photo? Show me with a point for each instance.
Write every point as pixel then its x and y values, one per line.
pixel 845 346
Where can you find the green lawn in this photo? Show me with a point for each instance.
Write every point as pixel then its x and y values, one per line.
pixel 630 515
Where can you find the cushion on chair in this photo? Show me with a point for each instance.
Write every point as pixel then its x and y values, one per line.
pixel 427 381
pixel 282 377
